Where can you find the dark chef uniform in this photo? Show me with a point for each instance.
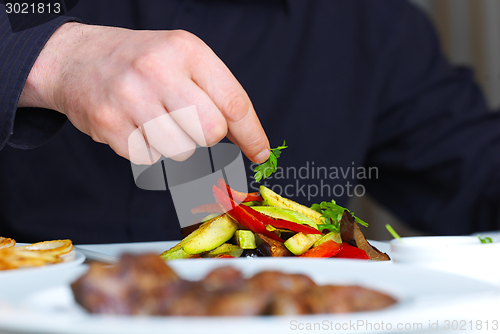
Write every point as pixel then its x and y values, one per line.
pixel 358 89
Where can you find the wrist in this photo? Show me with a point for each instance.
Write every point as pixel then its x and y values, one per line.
pixel 41 87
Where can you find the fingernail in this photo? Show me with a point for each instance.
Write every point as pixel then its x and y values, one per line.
pixel 262 156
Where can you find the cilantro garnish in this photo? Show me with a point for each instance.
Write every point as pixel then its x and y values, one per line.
pixel 485 240
pixel 270 165
pixel 331 214
pixel 334 227
pixel 393 232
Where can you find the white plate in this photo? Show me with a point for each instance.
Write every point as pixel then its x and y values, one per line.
pixel 424 296
pixel 111 252
pixel 74 258
pixel 464 255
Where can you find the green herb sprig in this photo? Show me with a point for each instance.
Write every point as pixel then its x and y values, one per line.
pixel 270 165
pixel 393 232
pixel 332 214
pixel 485 240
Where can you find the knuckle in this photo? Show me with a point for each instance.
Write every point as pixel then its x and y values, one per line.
pixel 122 95
pixel 182 40
pixel 235 106
pixel 173 47
pixel 147 63
pixel 138 159
pixel 95 136
pixel 185 46
pixel 216 133
pixel 121 151
pixel 102 119
pixel 183 156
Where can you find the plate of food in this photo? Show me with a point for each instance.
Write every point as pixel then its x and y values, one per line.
pixel 260 225
pixel 27 259
pixel 144 294
pixel 265 224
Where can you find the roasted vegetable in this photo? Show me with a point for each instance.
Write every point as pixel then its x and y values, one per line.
pixel 208 236
pixel 238 196
pixel 176 254
pixel 287 214
pixel 300 242
pixel 264 228
pixel 270 247
pixel 350 252
pixel 351 234
pixel 245 239
pixel 211 234
pixel 326 249
pixel 185 231
pixel 335 236
pixel 225 249
pixel 255 220
pixel 273 199
pixel 252 253
pixel 242 214
pixel 207 208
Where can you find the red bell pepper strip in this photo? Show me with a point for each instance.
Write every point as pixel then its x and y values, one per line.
pixel 326 249
pixel 275 222
pixel 282 223
pixel 351 252
pixel 238 213
pixel 207 208
pixel 238 196
pixel 224 256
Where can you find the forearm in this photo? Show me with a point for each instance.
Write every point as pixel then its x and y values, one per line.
pixel 18 53
pixel 41 84
pixel 111 81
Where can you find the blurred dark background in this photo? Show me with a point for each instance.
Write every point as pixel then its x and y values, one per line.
pixel 470 36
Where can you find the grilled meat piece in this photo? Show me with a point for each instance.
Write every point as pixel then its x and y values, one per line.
pixel 345 299
pixel 222 279
pixel 238 303
pixel 275 281
pixel 285 303
pixel 144 284
pixel 139 284
pixel 193 301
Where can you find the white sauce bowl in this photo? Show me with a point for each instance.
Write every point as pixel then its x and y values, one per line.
pixel 464 255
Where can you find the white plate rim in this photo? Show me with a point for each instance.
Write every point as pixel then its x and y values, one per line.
pixel 84 323
pixel 112 251
pixel 79 259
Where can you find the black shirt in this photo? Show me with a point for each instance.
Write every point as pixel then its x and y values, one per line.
pixel 351 86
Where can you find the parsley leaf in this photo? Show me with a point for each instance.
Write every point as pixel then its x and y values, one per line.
pixel 393 232
pixel 332 213
pixel 485 240
pixel 329 227
pixel 270 165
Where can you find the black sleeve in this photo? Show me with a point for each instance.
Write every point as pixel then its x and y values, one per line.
pixel 18 52
pixel 435 143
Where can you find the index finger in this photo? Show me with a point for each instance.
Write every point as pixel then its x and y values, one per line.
pixel 212 75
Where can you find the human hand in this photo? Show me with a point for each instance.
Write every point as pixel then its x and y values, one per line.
pixel 111 81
